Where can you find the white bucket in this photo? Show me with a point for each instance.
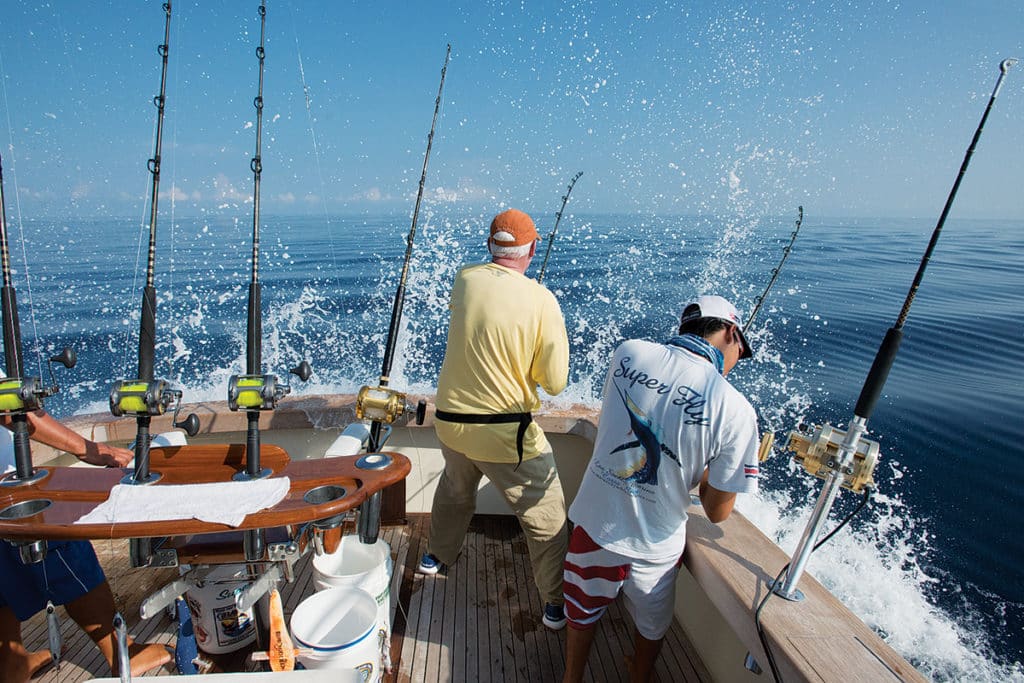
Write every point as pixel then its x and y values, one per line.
pixel 218 624
pixel 338 629
pixel 359 565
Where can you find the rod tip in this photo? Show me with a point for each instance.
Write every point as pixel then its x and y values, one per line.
pixel 1005 65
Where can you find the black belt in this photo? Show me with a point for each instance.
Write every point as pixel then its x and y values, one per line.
pixel 524 420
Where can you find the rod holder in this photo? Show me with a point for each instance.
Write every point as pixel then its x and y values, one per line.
pixel 369 518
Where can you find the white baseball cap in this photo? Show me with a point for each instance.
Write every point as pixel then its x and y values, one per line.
pixel 712 306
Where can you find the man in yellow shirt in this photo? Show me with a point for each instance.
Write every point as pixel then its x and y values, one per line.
pixel 506 337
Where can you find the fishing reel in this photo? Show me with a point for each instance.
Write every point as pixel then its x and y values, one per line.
pixel 261 392
pixel 25 394
pixel 145 399
pixel 818 454
pixel 255 392
pixel 383 404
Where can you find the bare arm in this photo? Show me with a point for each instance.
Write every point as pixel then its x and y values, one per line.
pixel 717 504
pixel 44 429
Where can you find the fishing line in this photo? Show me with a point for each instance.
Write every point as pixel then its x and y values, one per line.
pixel 174 187
pixel 316 151
pixel 558 219
pixel 775 271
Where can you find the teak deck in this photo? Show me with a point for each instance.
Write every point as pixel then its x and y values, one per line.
pixel 478 622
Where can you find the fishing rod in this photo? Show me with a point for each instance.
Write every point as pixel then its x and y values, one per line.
pixel 558 219
pixel 381 404
pixel 845 459
pixel 20 395
pixel 144 396
pixel 775 271
pixel 254 391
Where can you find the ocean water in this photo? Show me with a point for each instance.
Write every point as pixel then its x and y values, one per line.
pixel 932 564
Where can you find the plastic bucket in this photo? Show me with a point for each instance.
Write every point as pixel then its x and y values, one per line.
pixel 359 565
pixel 337 628
pixel 219 626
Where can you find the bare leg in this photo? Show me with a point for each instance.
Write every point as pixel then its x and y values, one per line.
pixel 17 664
pixel 94 613
pixel 646 652
pixel 577 649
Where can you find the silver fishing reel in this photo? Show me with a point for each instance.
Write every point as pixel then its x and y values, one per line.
pixel 25 394
pixel 139 397
pixel 262 392
pixel 818 453
pixel 255 392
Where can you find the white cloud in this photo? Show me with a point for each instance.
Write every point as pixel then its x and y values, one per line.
pixel 224 189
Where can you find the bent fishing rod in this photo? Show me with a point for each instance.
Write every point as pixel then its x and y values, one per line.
pixel 558 219
pixel 254 391
pixel 381 404
pixel 775 271
pixel 845 459
pixel 145 397
pixel 20 395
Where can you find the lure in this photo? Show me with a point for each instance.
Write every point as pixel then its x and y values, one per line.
pixel 281 650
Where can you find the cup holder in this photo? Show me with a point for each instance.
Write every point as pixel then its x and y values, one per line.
pixel 324 494
pixel 25 508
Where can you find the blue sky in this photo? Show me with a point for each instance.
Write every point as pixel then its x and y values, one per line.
pixel 848 108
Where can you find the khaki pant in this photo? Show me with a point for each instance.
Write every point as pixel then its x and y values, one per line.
pixel 533 491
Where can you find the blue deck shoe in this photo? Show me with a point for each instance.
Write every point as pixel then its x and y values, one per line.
pixel 554 617
pixel 429 564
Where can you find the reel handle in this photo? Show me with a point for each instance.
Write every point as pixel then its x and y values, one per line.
pixel 303 371
pixel 67 357
pixel 190 424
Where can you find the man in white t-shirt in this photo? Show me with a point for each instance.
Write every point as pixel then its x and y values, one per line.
pixel 670 422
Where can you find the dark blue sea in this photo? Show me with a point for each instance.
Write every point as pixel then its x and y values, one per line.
pixel 933 564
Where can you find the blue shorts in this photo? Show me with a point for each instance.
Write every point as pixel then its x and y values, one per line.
pixel 69 571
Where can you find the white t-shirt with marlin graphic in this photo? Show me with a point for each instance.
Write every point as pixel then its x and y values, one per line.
pixel 667 415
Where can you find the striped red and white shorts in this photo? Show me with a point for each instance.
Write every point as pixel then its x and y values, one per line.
pixel 594 577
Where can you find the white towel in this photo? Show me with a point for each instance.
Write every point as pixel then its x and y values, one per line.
pixel 221 503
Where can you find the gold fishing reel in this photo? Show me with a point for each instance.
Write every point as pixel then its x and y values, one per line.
pixel 818 453
pixel 380 404
pixel 383 404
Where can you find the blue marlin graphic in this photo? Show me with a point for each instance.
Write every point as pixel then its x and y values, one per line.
pixel 646 470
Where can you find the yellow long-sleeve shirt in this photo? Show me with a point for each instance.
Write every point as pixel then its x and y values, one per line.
pixel 506 337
